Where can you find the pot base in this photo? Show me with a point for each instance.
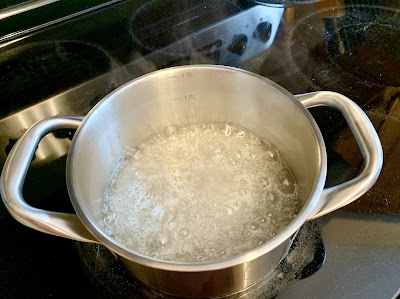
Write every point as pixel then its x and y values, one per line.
pixel 110 278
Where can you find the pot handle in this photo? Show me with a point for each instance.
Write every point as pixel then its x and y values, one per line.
pixel 13 177
pixel 335 197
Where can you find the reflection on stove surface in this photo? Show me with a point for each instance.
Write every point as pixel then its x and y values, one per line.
pixel 60 64
pixel 305 257
pixel 224 32
pixel 349 47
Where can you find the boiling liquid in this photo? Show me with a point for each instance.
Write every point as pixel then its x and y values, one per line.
pixel 199 193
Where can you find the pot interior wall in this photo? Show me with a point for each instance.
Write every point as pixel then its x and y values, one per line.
pixel 189 95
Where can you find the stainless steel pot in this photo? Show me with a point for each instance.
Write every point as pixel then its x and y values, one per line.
pixel 189 95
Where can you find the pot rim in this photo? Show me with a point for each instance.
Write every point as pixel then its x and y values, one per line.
pixel 248 256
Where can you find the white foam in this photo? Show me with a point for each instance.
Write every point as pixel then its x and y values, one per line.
pixel 199 193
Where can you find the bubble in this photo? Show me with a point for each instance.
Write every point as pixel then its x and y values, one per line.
pixel 170 130
pixel 129 153
pixel 218 147
pixel 138 155
pixel 110 218
pixel 227 130
pixel 194 160
pixel 186 153
pixel 269 154
pixel 241 134
pixel 285 182
pixel 105 209
pixel 263 181
pixel 238 154
pixel 171 225
pixel 272 196
pixel 110 232
pixel 162 239
pixel 183 233
pixel 242 191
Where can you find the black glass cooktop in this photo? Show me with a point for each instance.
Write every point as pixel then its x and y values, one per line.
pixel 67 66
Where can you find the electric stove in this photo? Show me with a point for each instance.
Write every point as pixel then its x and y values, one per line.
pixel 62 62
